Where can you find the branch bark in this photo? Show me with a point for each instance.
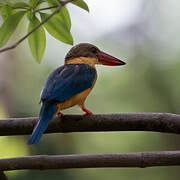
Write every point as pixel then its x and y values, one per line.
pixel 44 162
pixel 3 176
pixel 156 122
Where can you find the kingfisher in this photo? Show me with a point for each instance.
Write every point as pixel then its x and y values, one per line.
pixel 70 84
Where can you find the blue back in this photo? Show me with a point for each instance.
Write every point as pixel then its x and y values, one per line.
pixel 63 83
pixel 67 81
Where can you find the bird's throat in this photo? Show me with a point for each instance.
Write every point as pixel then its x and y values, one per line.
pixel 83 60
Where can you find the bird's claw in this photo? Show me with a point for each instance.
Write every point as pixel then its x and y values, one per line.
pixel 87 112
pixel 59 114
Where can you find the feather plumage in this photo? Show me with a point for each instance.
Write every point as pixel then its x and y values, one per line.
pixel 67 81
pixel 62 84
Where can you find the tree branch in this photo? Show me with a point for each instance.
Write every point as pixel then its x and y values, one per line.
pixel 44 162
pixel 157 122
pixel 36 27
pixel 3 176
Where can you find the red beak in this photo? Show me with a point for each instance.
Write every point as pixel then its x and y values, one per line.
pixel 109 60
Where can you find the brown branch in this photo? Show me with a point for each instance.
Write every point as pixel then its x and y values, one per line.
pixel 3 176
pixel 36 27
pixel 44 162
pixel 157 122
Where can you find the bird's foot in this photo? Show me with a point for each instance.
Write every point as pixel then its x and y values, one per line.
pixel 87 112
pixel 59 114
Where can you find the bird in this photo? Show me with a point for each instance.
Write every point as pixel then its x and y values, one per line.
pixel 70 84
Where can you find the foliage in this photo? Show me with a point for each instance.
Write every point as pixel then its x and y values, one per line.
pixel 58 26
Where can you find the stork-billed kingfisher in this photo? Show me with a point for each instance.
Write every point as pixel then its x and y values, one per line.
pixel 70 84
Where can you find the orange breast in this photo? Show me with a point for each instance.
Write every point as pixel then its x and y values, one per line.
pixel 78 99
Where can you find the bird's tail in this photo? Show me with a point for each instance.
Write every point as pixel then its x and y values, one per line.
pixel 46 114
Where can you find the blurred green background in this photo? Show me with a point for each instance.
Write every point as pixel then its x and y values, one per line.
pixel 145 34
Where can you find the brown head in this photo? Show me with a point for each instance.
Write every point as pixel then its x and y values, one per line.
pixel 86 50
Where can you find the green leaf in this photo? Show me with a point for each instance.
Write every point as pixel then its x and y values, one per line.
pixel 53 3
pixel 81 4
pixel 65 17
pixel 30 15
pixel 37 40
pixel 6 11
pixel 20 5
pixel 63 14
pixel 32 3
pixel 9 26
pixel 35 3
pixel 57 29
pixel 3 2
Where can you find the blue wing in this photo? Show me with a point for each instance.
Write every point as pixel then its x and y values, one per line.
pixel 63 83
pixel 67 81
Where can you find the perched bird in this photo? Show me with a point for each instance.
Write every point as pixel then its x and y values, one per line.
pixel 70 84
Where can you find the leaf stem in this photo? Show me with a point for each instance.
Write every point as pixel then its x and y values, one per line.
pixel 47 8
pixel 23 8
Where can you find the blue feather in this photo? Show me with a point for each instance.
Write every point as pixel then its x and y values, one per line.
pixel 67 81
pixel 46 114
pixel 63 83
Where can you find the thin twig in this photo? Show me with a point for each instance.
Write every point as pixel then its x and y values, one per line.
pixel 36 4
pixel 35 28
pixel 156 122
pixel 44 162
pixel 47 8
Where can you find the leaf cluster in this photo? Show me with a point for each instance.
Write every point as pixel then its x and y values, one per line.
pixel 58 26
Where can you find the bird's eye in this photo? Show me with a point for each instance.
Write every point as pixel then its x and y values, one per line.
pixel 94 50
